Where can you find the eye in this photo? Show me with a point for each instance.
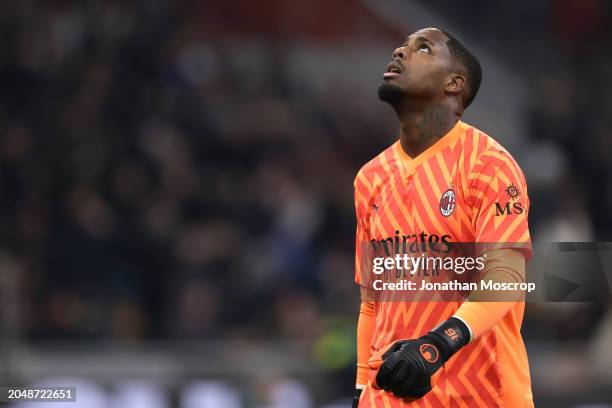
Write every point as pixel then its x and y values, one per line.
pixel 424 48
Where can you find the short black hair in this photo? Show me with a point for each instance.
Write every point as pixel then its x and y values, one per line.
pixel 465 57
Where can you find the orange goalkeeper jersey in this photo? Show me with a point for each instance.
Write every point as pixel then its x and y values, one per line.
pixel 464 188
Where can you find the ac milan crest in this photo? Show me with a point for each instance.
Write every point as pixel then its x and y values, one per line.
pixel 448 202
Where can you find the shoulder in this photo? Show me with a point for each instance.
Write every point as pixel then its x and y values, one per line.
pixel 487 155
pixel 374 170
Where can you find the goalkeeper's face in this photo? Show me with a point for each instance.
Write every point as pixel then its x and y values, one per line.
pixel 419 68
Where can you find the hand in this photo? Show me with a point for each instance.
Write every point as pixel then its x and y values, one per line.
pixel 408 365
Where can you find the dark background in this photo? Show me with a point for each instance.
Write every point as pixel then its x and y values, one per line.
pixel 176 209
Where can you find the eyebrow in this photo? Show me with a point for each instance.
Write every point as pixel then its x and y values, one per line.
pixel 420 38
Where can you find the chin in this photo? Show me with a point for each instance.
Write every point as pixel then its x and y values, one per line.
pixel 388 92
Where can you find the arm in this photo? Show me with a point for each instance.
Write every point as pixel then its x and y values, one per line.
pixel 506 188
pixel 365 324
pixel 482 309
pixel 365 330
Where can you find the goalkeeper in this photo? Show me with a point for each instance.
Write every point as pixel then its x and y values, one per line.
pixel 442 182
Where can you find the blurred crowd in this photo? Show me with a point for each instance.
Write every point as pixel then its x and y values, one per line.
pixel 151 186
pixel 156 182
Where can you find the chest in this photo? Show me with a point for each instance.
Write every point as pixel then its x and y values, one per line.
pixel 420 202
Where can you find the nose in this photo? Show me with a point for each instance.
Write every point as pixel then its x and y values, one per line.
pixel 399 53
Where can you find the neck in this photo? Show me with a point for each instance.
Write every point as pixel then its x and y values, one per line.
pixel 422 127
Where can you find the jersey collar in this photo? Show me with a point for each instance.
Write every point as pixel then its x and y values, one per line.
pixel 440 144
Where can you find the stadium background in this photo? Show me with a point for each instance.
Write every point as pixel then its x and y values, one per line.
pixel 176 211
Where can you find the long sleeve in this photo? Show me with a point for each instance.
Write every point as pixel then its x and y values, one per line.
pixel 365 329
pixel 503 265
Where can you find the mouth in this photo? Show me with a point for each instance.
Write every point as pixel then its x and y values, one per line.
pixel 394 70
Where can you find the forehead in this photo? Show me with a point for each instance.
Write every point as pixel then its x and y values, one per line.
pixel 432 34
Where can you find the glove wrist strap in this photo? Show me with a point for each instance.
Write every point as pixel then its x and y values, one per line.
pixel 450 336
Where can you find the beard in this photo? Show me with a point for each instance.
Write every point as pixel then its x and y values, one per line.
pixel 390 93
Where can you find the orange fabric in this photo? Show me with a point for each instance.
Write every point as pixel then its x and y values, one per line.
pixel 365 329
pixel 502 266
pixel 481 316
pixel 375 362
pixel 394 192
pixel 506 265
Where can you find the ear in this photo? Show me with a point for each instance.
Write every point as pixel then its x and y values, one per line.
pixel 454 83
